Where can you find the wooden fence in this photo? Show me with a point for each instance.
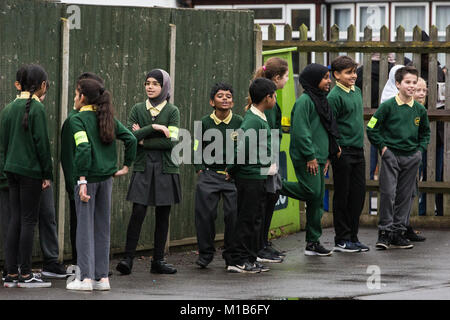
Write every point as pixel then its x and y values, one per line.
pixel 334 47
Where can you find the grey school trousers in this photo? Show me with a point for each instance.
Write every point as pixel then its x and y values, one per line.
pixel 93 229
pixel 397 185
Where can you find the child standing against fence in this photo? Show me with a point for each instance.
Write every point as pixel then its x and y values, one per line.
pixel 276 70
pixel 349 167
pixel 95 130
pixel 155 180
pixel 211 182
pixel 400 130
pixel 26 160
pixel 314 136
pixel 251 166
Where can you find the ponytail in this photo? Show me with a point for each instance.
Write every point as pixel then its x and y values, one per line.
pixel 27 111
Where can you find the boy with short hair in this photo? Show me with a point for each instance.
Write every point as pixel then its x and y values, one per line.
pixel 349 179
pixel 211 182
pixel 400 130
pixel 254 144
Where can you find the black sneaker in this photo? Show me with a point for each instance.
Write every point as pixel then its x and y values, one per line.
pixel 125 265
pixel 400 241
pixel 267 256
pixel 33 281
pixel 10 282
pixel 261 267
pixel 202 262
pixel 54 270
pixel 412 235
pixel 162 267
pixel 361 246
pixel 346 246
pixel 384 240
pixel 316 249
pixel 4 274
pixel 247 267
pixel 276 252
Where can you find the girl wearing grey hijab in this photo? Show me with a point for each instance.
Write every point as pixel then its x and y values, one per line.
pixel 155 180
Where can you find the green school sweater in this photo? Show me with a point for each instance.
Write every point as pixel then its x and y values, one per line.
pixel 67 154
pixel 229 137
pixel 25 152
pixel 94 159
pixel 348 112
pixel 401 128
pixel 309 139
pixel 155 140
pixel 251 152
pixel 3 179
pixel 274 120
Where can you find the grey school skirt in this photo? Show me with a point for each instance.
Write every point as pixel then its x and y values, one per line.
pixel 153 187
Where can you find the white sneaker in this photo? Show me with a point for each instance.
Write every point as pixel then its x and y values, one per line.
pixel 101 285
pixel 85 285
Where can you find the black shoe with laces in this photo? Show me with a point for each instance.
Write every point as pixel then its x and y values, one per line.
pixel 10 282
pixel 267 256
pixel 384 240
pixel 246 267
pixel 162 267
pixel 125 265
pixel 411 235
pixel 261 267
pixel 400 241
pixel 202 262
pixel 33 280
pixel 54 270
pixel 316 249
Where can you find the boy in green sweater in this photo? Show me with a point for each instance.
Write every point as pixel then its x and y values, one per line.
pixel 349 167
pixel 251 165
pixel 210 157
pixel 400 130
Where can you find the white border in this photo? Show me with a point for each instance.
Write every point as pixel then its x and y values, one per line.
pixel 265 6
pixel 358 17
pixel 409 33
pixel 351 6
pixel 434 14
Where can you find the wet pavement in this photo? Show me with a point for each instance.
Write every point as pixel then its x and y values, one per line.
pixel 420 273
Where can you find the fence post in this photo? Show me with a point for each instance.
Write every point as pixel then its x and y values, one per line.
pixel 432 100
pixel 417 36
pixel 384 65
pixel 272 32
pixel 64 103
pixel 446 178
pixel 400 56
pixel 302 56
pixel 287 32
pixel 351 36
pixel 319 56
pixel 258 47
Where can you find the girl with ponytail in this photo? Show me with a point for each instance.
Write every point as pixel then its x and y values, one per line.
pixel 95 129
pixel 26 159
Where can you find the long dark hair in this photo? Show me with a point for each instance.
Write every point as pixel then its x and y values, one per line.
pixel 96 95
pixel 31 79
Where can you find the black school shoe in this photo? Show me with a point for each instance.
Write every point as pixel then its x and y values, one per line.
pixel 125 265
pixel 400 241
pixel 202 262
pixel 54 270
pixel 162 267
pixel 10 282
pixel 316 249
pixel 384 240
pixel 411 235
pixel 33 281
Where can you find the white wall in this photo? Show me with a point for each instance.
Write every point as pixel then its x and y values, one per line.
pixel 129 3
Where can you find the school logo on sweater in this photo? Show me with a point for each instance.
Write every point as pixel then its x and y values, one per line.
pixel 417 121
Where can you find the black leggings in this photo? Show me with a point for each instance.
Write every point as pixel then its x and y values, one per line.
pixel 24 198
pixel 161 229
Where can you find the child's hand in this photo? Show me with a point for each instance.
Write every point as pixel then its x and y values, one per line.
pixel 141 142
pixel 327 165
pixel 121 172
pixel 163 129
pixel 83 193
pixel 339 153
pixel 312 166
pixel 383 151
pixel 135 127
pixel 45 184
pixel 199 172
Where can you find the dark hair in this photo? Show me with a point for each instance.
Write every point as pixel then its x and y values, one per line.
pixel 220 86
pixel 19 74
pixel 90 75
pixel 260 88
pixel 400 73
pixel 342 63
pixel 96 94
pixel 32 77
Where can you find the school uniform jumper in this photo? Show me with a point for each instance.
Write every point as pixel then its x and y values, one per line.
pixel 97 162
pixel 211 183
pixel 155 180
pixel 349 170
pixel 250 168
pixel 26 159
pixel 309 141
pixel 404 129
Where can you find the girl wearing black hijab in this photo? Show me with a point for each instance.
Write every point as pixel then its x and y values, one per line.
pixel 155 180
pixel 313 141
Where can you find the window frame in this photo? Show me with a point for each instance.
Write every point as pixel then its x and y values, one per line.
pixel 312 18
pixel 265 6
pixel 409 33
pixel 360 34
pixel 351 6
pixel 434 14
